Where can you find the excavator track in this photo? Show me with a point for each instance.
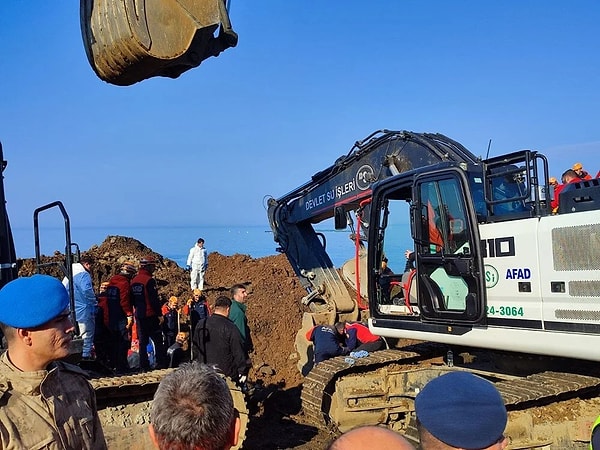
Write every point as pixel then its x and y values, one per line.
pixel 318 384
pixel 128 386
pixel 120 393
pixel 343 393
pixel 543 386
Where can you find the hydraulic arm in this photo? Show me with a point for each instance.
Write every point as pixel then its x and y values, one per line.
pixel 335 192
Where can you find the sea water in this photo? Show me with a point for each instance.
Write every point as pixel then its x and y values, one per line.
pixel 175 242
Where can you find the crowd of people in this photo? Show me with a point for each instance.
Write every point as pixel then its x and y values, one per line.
pixel 127 328
pixel 48 403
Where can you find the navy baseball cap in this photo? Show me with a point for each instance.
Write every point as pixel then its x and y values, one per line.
pixel 28 302
pixel 462 410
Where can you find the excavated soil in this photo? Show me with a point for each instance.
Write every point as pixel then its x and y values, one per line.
pixel 274 315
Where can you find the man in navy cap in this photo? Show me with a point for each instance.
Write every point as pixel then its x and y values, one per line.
pixel 460 410
pixel 44 403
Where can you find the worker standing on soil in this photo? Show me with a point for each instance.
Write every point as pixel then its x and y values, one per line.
pixel 171 321
pixel 198 262
pixel 218 342
pixel 193 408
pixel 147 312
pixel 195 310
pixel 120 316
pixel 238 314
pixel 46 403
pixel 85 303
pixel 101 332
pixel 328 341
pixel 461 410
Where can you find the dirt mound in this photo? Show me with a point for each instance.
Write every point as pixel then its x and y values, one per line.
pixel 274 313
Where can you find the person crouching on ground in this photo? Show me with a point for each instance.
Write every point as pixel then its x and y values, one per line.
pixel 328 341
pixel 44 403
pixel 360 338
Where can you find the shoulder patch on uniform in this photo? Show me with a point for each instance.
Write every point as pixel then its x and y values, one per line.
pixel 72 368
pixel 4 388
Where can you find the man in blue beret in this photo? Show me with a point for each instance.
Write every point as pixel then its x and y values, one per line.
pixel 460 410
pixel 44 402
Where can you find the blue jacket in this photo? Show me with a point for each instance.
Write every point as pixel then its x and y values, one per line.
pixel 85 297
pixel 327 342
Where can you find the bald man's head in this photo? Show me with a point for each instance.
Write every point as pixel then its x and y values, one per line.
pixel 371 437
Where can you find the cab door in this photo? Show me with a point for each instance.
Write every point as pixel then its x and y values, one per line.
pixel 450 285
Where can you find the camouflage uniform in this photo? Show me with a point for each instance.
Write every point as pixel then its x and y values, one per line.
pixel 47 409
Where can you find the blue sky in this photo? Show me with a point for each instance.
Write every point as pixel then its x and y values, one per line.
pixel 306 81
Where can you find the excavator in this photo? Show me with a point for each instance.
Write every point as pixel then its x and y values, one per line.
pixel 127 41
pixel 499 281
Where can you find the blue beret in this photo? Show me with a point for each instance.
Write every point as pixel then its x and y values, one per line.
pixel 462 410
pixel 28 302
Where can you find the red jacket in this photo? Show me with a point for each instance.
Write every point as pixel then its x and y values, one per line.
pixel 103 305
pixel 362 332
pixel 557 190
pixel 144 295
pixel 122 283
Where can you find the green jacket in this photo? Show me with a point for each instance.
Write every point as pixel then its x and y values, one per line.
pixel 237 314
pixel 595 437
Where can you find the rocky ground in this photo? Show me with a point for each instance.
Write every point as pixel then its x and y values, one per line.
pixel 274 315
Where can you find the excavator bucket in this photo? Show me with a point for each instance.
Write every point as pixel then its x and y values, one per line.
pixel 128 41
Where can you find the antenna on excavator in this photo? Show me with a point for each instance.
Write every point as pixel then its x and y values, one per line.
pixel 488 152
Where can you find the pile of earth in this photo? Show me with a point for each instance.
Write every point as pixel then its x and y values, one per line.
pixel 274 315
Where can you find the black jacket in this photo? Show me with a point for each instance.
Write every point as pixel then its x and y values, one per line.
pixel 218 342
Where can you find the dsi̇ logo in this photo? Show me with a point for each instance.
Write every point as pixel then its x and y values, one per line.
pixel 364 177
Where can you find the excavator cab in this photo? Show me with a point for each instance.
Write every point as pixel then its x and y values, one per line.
pixel 445 236
pixel 128 41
